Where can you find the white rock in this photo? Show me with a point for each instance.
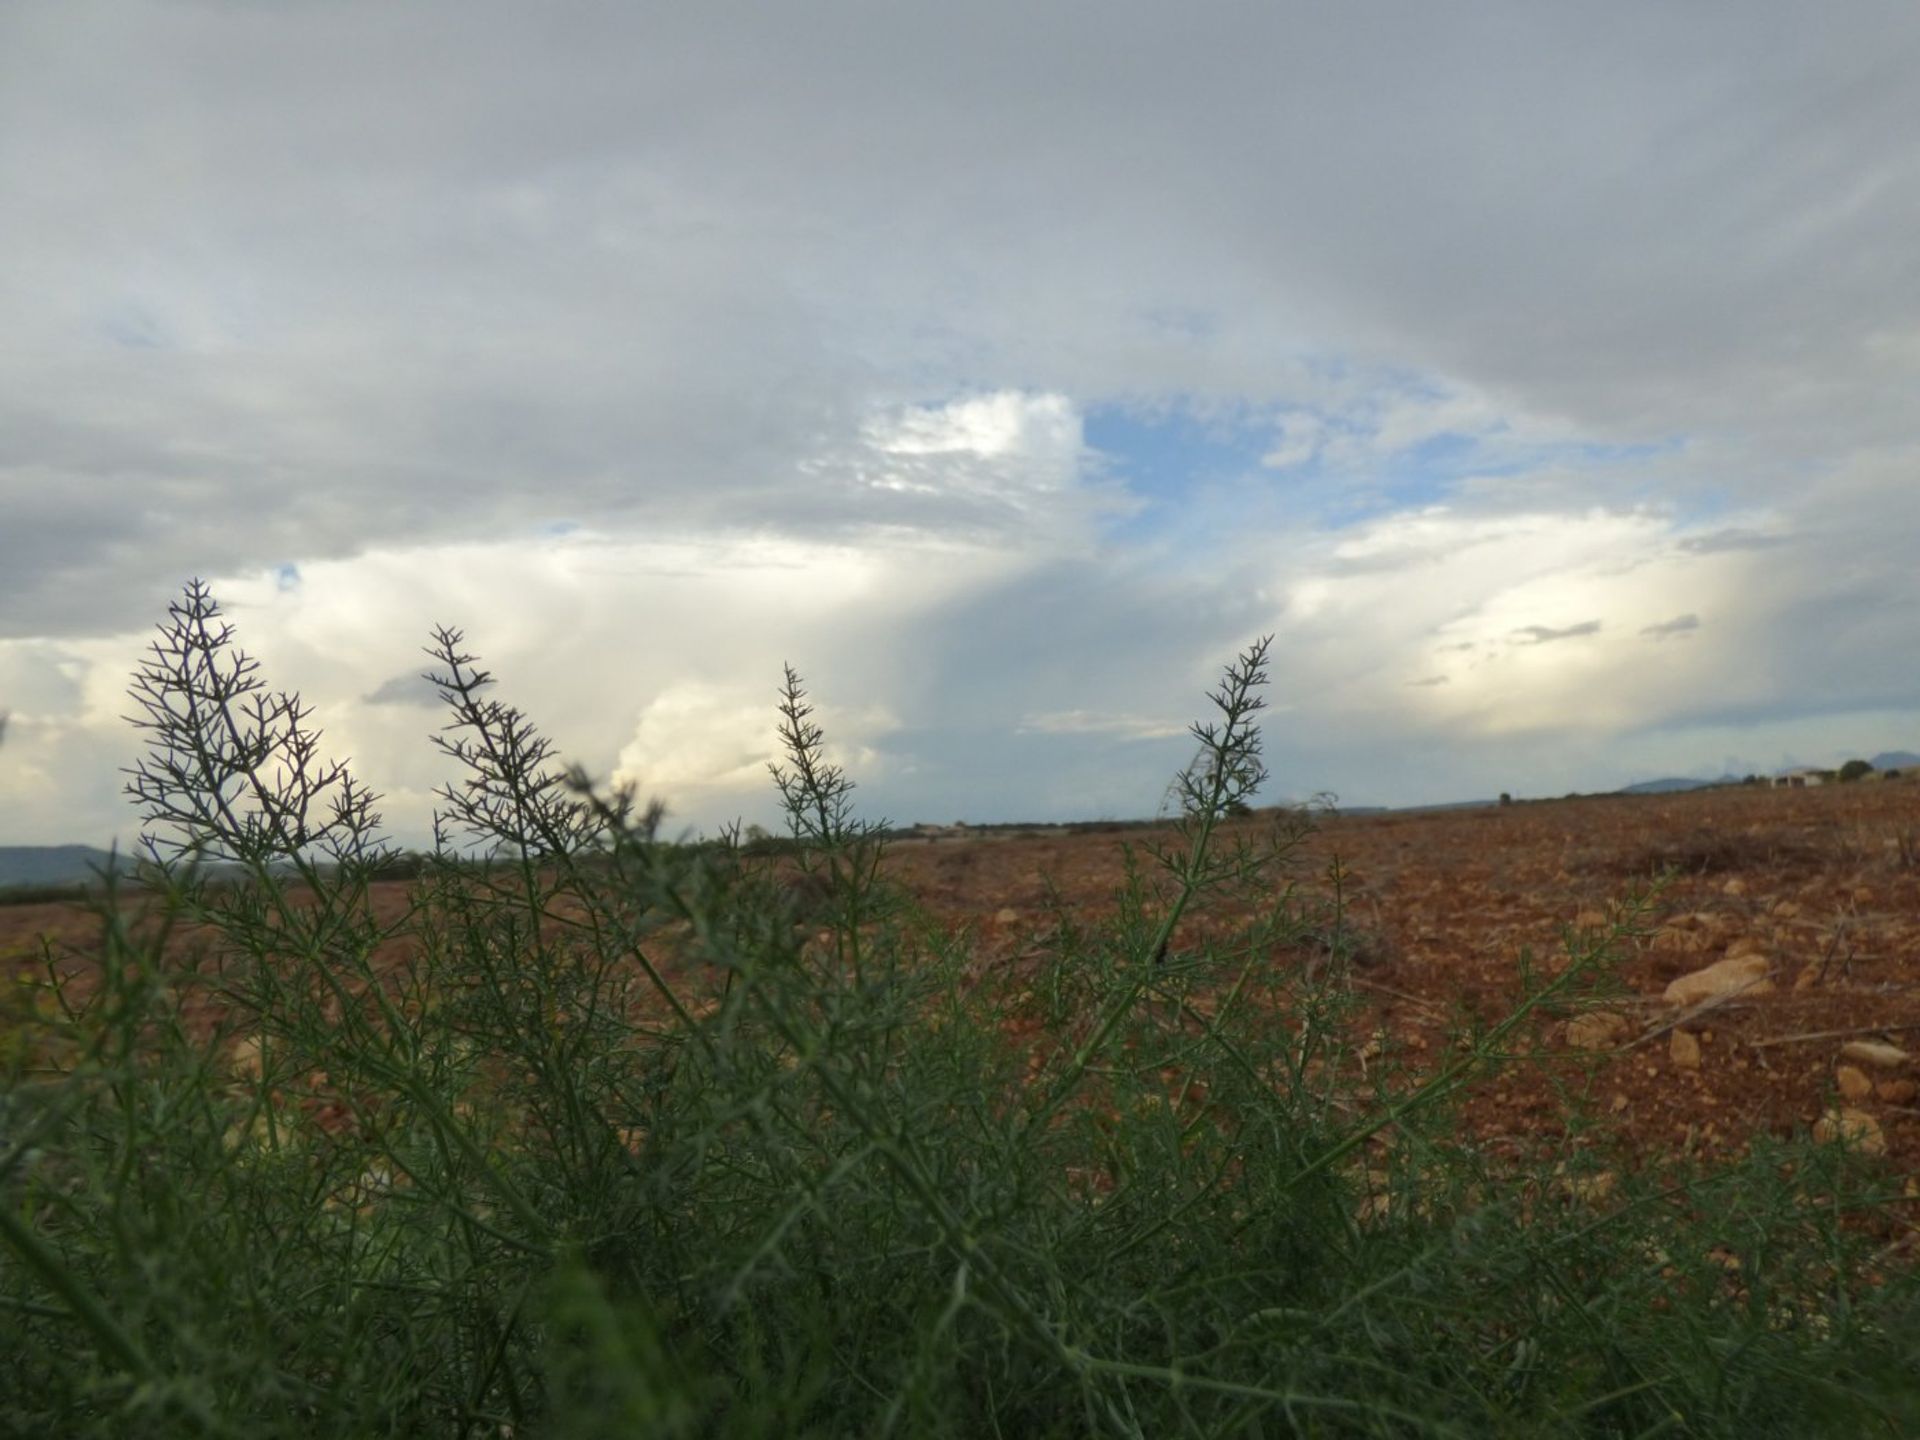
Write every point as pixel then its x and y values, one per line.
pixel 1875 1052
pixel 1745 975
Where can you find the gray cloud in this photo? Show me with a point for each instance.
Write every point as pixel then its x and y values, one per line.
pixel 1546 635
pixel 409 689
pixel 1679 625
pixel 281 289
pixel 633 263
pixel 1722 541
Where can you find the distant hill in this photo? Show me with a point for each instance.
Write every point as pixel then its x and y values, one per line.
pixel 1674 783
pixel 1895 760
pixel 49 864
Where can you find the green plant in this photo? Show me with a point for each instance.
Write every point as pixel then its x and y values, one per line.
pixel 1855 770
pixel 593 1138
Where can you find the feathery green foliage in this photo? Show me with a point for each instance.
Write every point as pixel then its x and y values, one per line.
pixel 613 1136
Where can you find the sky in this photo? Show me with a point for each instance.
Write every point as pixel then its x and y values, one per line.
pixel 1540 378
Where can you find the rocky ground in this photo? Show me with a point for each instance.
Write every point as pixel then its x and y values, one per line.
pixel 1773 984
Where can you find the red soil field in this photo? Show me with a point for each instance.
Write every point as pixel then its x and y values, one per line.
pixel 1823 884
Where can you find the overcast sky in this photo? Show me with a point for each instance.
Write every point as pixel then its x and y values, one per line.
pixel 1542 377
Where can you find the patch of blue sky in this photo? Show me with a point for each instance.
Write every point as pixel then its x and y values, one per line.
pixel 1163 456
pixel 1422 475
pixel 1199 469
pixel 1428 472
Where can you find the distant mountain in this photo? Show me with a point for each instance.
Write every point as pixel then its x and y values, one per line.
pixel 1895 760
pixel 49 864
pixel 1674 783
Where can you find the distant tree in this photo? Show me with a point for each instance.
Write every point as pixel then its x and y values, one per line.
pixel 1505 798
pixel 1855 769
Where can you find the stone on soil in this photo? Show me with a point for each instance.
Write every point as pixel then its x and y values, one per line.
pixel 1874 1052
pixel 1678 938
pixel 1854 1128
pixel 1745 974
pixel 1597 1030
pixel 1853 1082
pixel 1684 1050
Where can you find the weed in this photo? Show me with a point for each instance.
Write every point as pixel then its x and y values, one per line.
pixel 594 1139
pixel 1905 845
